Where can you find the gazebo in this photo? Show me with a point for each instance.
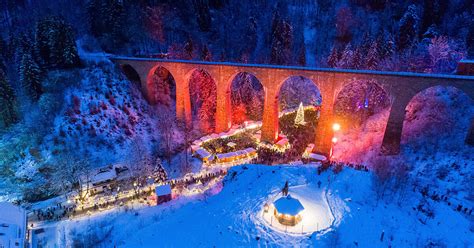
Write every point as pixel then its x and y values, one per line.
pixel 287 210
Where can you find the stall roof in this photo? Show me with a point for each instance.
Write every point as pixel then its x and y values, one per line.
pixel 163 190
pixel 288 205
pixel 203 153
pixel 104 176
pixel 317 157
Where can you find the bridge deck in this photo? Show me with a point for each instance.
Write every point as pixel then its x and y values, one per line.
pixel 329 70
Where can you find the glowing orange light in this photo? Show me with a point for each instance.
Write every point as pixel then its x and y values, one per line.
pixel 336 127
pixel 334 140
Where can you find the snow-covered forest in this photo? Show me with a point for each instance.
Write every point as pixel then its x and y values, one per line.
pixel 67 110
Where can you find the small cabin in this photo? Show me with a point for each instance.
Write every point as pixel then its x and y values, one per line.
pixel 163 193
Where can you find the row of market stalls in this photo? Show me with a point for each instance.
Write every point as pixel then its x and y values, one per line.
pixel 230 158
pixel 240 156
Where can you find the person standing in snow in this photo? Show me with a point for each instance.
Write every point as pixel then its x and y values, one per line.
pixel 284 191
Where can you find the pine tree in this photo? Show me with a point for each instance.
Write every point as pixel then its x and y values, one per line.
pixel 365 44
pixel 30 74
pixel 385 45
pixel 7 101
pixel 281 44
pixel 55 45
pixel 93 10
pixel 251 36
pixel 470 41
pixel 302 56
pixel 205 54
pixel 299 120
pixel 333 57
pixel 373 56
pixel 347 58
pixel 189 49
pixel 433 12
pixel 116 20
pixel 275 22
pixel 408 27
pixel 3 47
pixel 357 60
pixel 107 20
pixel 203 15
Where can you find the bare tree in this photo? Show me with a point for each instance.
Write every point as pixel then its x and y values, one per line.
pixel 186 130
pixel 382 170
pixel 139 162
pixel 75 173
pixel 166 125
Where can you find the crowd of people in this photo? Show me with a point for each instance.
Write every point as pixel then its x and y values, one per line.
pixel 186 181
pixel 339 165
pixel 61 211
pixel 57 212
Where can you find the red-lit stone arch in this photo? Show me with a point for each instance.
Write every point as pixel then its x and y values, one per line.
pixel 258 92
pixel 393 132
pixel 302 87
pixel 359 95
pixel 200 106
pixel 161 86
pixel 431 103
pixel 275 101
pixel 292 91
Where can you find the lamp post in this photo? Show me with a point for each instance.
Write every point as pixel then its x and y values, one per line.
pixel 336 127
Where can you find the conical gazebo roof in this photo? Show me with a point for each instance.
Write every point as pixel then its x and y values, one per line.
pixel 288 205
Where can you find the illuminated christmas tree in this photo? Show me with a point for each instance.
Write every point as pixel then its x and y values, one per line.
pixel 299 120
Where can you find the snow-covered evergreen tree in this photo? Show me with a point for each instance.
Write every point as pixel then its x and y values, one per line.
pixel 357 60
pixel 385 45
pixel 203 15
pixel 373 56
pixel 470 41
pixel 408 28
pixel 189 49
pixel 55 44
pixel 206 54
pixel 30 76
pixel 281 45
pixel 7 101
pixel 333 57
pixel 347 58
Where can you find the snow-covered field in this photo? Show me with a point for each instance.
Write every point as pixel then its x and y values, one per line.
pixel 230 216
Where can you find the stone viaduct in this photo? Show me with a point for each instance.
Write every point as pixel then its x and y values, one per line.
pixel 401 87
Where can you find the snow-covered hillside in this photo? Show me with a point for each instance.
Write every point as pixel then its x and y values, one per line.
pixel 92 113
pixel 102 116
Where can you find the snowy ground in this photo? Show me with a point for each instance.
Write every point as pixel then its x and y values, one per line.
pixel 230 216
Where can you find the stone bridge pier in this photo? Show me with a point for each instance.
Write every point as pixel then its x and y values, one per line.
pixel 401 87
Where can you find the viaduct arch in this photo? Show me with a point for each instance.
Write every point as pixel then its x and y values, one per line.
pixel 401 87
